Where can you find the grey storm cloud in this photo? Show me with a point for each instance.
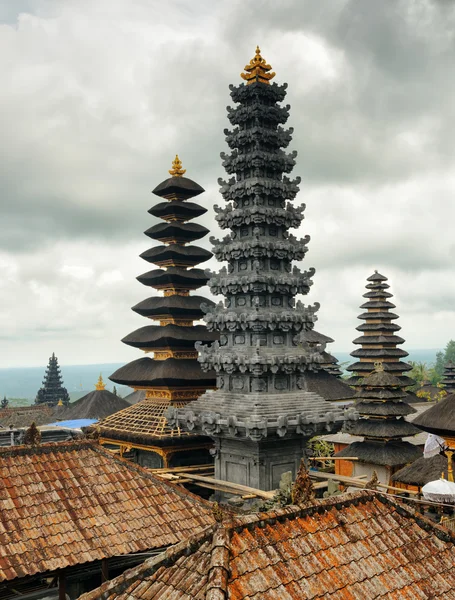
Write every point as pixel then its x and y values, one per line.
pixel 99 96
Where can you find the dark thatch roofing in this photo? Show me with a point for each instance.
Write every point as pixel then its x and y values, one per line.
pixel 188 255
pixel 395 367
pixel 188 210
pixel 382 428
pixel 378 327
pixel 440 418
pixel 377 277
pixel 135 397
pixel 163 373
pixel 326 385
pixel 377 304
pixel 422 471
pixel 397 409
pixel 378 315
pixel 378 339
pixel 174 275
pixel 169 336
pixel 316 337
pixel 94 405
pixel 392 454
pixel 172 305
pixel 181 187
pixel 379 353
pixel 185 231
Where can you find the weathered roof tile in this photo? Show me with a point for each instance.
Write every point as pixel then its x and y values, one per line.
pixel 74 502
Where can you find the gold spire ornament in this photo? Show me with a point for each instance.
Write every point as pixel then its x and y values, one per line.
pixel 177 170
pixel 100 385
pixel 257 70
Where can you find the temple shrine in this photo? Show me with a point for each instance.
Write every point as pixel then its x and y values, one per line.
pixel 272 386
pixel 53 393
pixel 173 377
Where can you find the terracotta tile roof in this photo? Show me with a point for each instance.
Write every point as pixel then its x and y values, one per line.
pixel 357 546
pixel 73 502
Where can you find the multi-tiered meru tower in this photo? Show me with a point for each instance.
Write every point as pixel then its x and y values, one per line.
pixel 173 378
pixel 448 378
pixel 53 391
pixel 379 339
pixel 271 384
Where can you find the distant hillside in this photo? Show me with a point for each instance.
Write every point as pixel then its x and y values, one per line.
pixel 78 379
pixel 81 379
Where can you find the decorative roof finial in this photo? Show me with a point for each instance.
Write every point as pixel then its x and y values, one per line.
pixel 177 170
pixel 100 385
pixel 257 70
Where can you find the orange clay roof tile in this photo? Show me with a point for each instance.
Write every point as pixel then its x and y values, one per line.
pixel 74 502
pixel 357 546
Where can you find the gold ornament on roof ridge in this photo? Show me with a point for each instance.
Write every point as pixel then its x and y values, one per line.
pixel 100 385
pixel 177 170
pixel 257 70
pixel 378 366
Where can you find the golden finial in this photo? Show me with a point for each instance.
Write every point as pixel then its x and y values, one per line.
pixel 60 402
pixel 100 385
pixel 177 170
pixel 257 70
pixel 378 366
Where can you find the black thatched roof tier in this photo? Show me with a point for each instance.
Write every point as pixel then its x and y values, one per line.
pixel 381 394
pixel 411 398
pixel 174 276
pixel 173 306
pixel 380 327
pixel 379 353
pixel 313 336
pixel 180 211
pixel 384 429
pixel 355 379
pixel 422 471
pixel 448 379
pixel 178 188
pixel 377 304
pixel 378 339
pixel 135 397
pixel 377 277
pixel 174 254
pixel 392 367
pixel 155 337
pixel 326 385
pixel 94 405
pixel 176 232
pixel 172 372
pixel 390 454
pixel 384 409
pixel 439 419
pixel 368 316
pixel 378 293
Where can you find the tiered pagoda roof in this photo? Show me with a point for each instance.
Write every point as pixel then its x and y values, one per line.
pixel 95 405
pixel 440 419
pixel 53 392
pixel 379 339
pixel 381 404
pixel 448 378
pixel 267 340
pixel 173 377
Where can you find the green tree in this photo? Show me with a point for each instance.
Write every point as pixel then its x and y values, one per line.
pixel 420 372
pixel 442 358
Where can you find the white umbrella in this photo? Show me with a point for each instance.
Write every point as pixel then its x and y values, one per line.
pixel 433 446
pixel 439 491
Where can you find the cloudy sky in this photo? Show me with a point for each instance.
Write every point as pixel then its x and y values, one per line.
pixel 97 96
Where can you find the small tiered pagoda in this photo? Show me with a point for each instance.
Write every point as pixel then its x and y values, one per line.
pixel 173 377
pixel 272 389
pixel 379 339
pixel 448 378
pixel 53 393
pixel 382 409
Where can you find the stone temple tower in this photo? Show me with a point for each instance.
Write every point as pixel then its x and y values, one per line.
pixel 272 387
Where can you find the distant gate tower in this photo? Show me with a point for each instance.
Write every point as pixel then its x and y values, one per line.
pixel 272 387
